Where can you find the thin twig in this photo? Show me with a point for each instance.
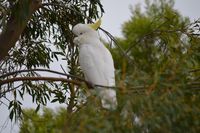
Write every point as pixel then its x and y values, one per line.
pixel 116 43
pixel 8 90
pixel 1 102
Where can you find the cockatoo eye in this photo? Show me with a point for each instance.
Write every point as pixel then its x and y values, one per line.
pixel 81 33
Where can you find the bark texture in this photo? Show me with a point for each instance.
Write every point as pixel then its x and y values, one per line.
pixel 20 15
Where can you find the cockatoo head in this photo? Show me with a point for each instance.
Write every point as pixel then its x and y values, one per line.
pixel 81 29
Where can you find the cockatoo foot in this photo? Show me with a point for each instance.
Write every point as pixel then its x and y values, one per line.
pixel 90 85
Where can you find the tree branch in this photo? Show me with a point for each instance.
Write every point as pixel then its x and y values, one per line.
pixel 60 73
pixel 38 79
pixel 20 15
pixel 42 70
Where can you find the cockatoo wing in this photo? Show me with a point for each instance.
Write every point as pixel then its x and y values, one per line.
pixel 92 64
pixel 97 65
pixel 109 68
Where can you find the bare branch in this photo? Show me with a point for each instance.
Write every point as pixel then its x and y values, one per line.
pixel 39 78
pixel 44 70
pixel 46 78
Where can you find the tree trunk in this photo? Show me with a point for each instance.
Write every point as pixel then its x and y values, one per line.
pixel 17 22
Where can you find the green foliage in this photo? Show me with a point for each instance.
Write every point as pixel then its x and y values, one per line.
pixel 89 118
pixel 163 49
pixel 46 38
pixel 169 113
pixel 159 82
pixel 48 122
pixel 161 44
pixel 172 112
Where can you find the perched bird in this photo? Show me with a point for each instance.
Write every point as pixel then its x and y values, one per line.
pixel 96 62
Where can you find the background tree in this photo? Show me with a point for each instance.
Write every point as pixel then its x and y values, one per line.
pixel 35 33
pixel 158 80
pixel 48 122
pixel 163 47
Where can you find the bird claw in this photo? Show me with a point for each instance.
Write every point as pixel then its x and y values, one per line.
pixel 90 85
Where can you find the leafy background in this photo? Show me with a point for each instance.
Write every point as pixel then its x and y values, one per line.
pixel 158 79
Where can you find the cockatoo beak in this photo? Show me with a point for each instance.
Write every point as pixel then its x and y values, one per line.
pixel 96 25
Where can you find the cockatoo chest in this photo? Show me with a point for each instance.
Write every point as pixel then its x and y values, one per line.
pixel 91 60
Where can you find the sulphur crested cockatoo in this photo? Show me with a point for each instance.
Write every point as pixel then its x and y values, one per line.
pixel 96 62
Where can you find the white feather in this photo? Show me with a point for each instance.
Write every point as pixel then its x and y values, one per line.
pixel 97 64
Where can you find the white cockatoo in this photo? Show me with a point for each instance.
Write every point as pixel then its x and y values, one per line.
pixel 96 62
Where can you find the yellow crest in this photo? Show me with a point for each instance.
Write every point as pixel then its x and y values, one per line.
pixel 96 25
